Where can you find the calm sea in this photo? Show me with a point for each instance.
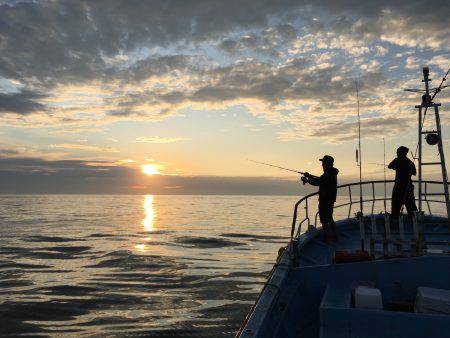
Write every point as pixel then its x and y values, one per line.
pixel 162 266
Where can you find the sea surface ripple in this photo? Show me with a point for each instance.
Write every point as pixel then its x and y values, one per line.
pixel 159 266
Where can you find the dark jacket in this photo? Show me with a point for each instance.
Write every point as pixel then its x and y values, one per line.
pixel 327 184
pixel 404 169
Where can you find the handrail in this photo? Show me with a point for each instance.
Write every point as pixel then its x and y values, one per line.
pixel 351 202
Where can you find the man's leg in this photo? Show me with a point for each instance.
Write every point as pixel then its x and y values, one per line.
pixel 410 202
pixel 396 203
pixel 332 223
pixel 324 221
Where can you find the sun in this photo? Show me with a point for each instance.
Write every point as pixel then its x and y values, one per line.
pixel 150 169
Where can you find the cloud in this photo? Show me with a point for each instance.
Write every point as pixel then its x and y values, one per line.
pixel 268 41
pixel 35 164
pixel 34 175
pixel 155 66
pixel 412 63
pixel 22 103
pixel 158 139
pixel 84 147
pixel 374 127
pixel 48 43
pixel 68 41
pixel 442 61
pixel 287 61
pixel 8 152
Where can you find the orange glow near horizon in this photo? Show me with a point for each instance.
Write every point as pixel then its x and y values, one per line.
pixel 150 169
pixel 149 210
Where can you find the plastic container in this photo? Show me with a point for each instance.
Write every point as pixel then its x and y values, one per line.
pixel 368 298
pixel 432 301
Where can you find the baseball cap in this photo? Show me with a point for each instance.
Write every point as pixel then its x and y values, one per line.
pixel 327 159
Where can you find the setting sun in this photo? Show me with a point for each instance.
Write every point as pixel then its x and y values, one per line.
pixel 150 169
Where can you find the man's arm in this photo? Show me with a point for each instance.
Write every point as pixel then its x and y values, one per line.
pixel 413 169
pixel 393 164
pixel 313 180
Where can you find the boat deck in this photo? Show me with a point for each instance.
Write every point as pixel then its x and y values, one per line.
pixel 310 296
pixel 312 249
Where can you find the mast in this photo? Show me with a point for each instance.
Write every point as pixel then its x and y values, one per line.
pixel 432 137
pixel 360 213
pixel 359 151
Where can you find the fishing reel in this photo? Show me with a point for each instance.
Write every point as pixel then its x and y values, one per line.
pixel 304 179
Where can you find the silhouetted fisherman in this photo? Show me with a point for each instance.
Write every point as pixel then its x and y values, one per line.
pixel 327 184
pixel 403 191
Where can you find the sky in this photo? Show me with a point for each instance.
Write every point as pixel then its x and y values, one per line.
pixel 92 92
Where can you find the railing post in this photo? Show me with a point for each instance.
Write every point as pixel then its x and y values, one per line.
pixel 416 232
pixel 373 196
pixel 421 234
pixel 401 231
pixel 351 202
pixel 387 235
pixel 426 199
pixel 307 214
pixel 374 236
pixel 362 231
pixel 294 220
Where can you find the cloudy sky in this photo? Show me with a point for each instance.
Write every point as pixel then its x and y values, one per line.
pixel 91 91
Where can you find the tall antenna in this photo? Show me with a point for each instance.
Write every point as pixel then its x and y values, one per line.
pixel 359 151
pixel 384 169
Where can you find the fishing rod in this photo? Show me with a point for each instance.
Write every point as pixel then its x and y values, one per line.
pixel 276 166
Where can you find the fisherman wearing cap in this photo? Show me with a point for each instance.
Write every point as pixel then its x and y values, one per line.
pixel 403 191
pixel 327 184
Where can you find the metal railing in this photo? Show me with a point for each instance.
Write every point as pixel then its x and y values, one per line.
pixel 346 190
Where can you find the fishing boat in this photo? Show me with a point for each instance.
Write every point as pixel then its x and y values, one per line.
pixel 377 280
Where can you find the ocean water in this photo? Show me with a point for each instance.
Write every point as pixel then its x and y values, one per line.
pixel 159 266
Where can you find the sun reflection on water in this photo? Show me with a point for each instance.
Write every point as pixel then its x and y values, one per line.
pixel 150 214
pixel 140 247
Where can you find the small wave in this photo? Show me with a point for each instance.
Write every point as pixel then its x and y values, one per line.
pixel 12 250
pixel 53 252
pixel 207 242
pixel 69 249
pixel 100 235
pixel 14 283
pixel 126 260
pixel 68 290
pixel 252 236
pixel 49 239
pixel 113 320
pixel 14 265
